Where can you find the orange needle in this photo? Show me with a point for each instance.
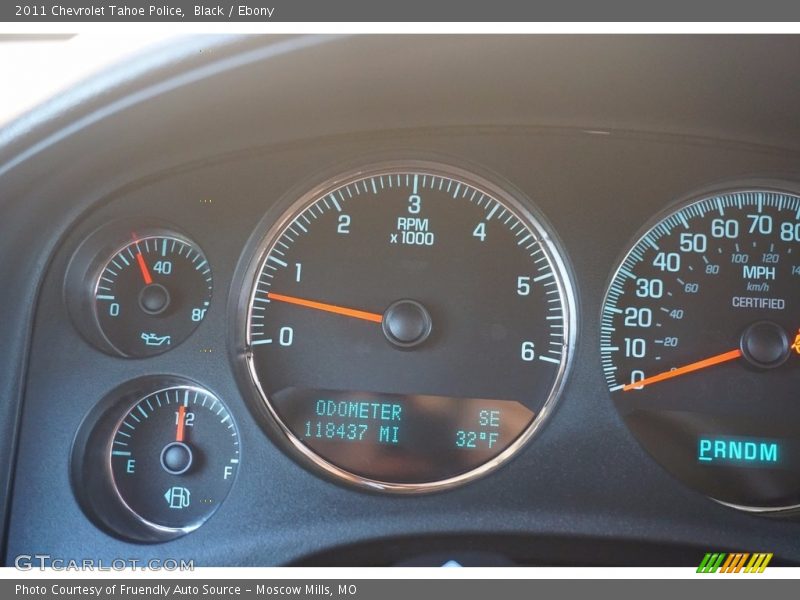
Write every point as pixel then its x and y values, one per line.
pixel 695 366
pixel 339 310
pixel 181 414
pixel 142 265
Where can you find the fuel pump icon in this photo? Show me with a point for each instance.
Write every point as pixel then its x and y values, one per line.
pixel 178 497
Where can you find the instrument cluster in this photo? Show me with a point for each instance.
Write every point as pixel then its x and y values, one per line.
pixel 408 325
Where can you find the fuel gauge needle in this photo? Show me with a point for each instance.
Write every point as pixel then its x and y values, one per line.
pixel 181 415
pixel 690 368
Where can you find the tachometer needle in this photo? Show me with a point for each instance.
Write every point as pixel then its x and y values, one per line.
pixel 181 417
pixel 332 308
pixel 690 368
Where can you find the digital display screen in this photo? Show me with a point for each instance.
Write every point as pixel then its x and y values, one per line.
pixel 744 452
pixel 401 438
pixel 747 461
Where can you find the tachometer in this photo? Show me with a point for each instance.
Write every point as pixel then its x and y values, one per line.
pixel 701 349
pixel 407 326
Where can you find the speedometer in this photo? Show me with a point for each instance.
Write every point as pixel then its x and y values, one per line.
pixel 700 345
pixel 408 325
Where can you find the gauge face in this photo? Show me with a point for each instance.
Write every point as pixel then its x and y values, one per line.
pixel 409 326
pixel 701 348
pixel 155 458
pixel 152 294
pixel 174 456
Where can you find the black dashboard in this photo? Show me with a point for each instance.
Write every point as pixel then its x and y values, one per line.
pixel 365 300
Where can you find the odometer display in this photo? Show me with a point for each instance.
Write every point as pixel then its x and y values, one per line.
pixel 701 350
pixel 409 325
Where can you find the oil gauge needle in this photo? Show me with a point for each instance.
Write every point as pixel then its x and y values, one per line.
pixel 143 268
pixel 324 306
pixel 690 368
pixel 148 279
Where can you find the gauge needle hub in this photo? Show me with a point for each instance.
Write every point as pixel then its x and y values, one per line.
pixel 690 368
pixel 324 306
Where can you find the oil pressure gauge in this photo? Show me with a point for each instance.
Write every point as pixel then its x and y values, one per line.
pixel 156 459
pixel 138 291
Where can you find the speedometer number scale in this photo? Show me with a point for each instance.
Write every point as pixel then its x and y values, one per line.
pixel 701 349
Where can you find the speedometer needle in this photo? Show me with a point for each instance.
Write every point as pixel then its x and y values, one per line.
pixel 690 368
pixel 324 306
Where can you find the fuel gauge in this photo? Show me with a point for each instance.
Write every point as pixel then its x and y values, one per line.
pixel 158 459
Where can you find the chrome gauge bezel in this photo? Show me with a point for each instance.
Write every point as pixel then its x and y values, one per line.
pixel 91 470
pixel 165 387
pixel 266 236
pixel 702 194
pixel 87 265
pixel 97 275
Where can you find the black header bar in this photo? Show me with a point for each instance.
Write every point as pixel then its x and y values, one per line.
pixel 440 11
